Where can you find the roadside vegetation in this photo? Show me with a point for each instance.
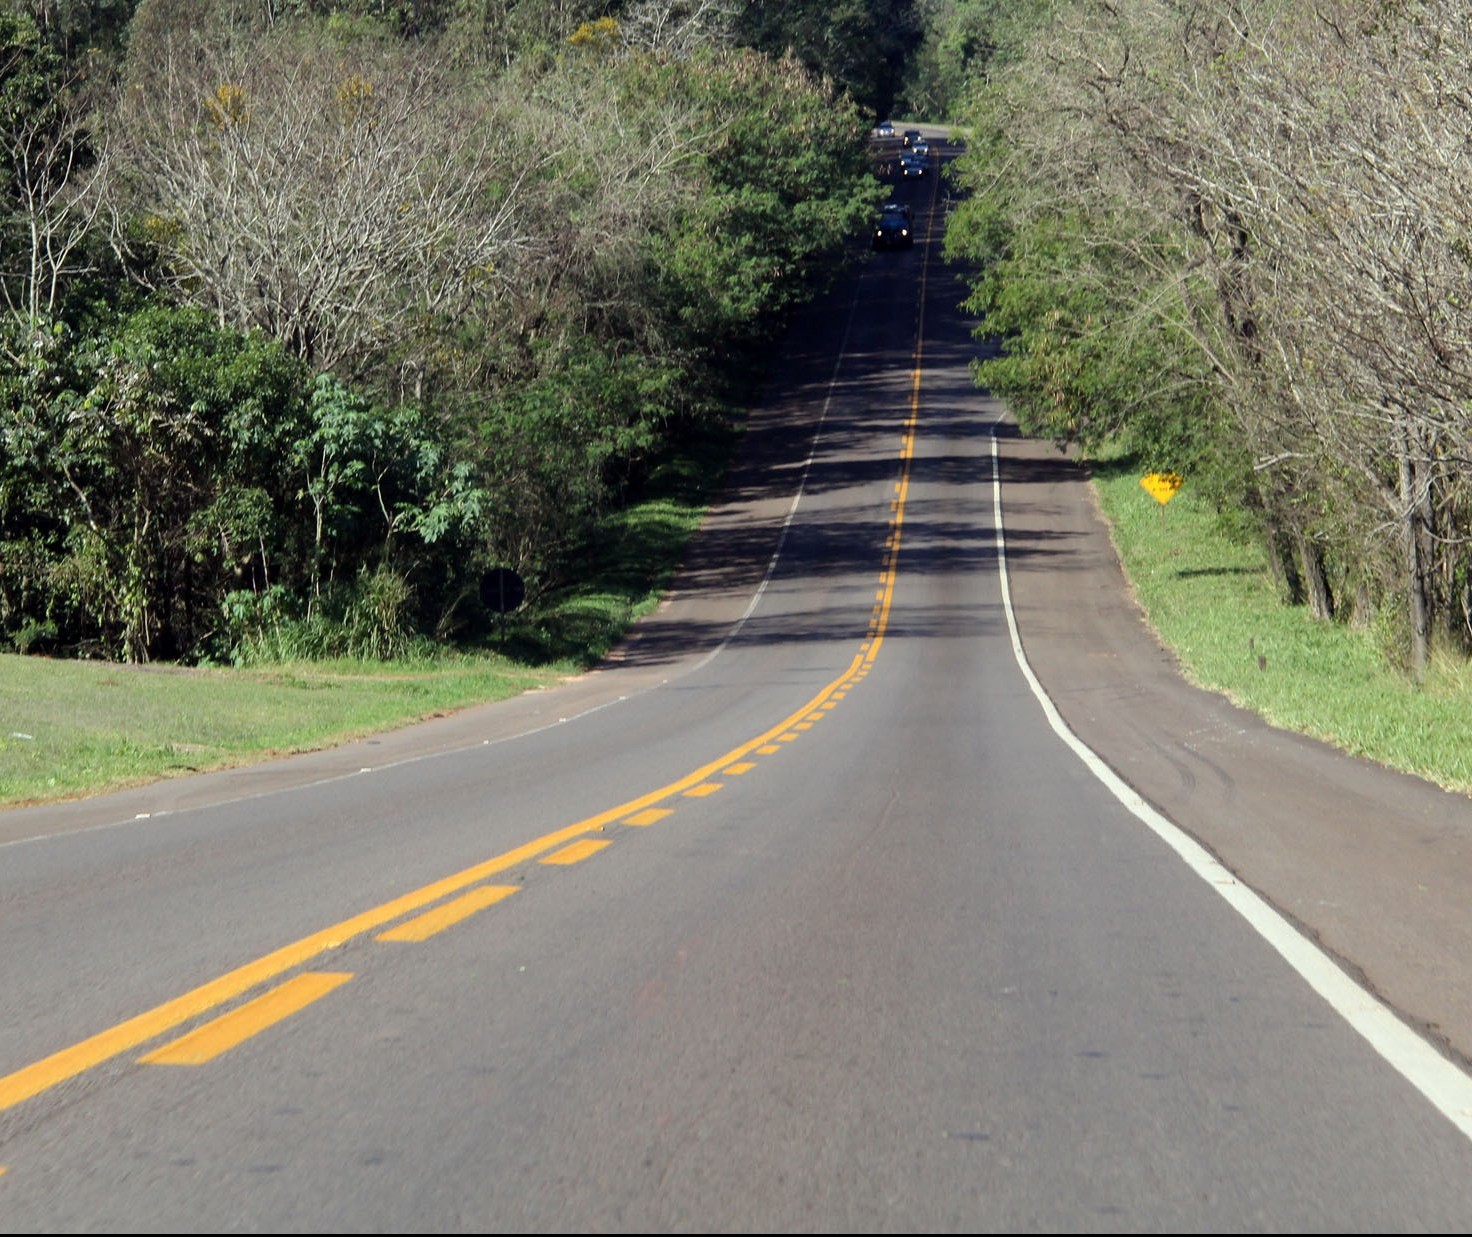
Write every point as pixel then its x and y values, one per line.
pixel 314 311
pixel 74 727
pixel 1234 236
pixel 1213 601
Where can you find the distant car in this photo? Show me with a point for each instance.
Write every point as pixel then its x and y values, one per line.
pixel 884 128
pixel 911 136
pixel 892 229
pixel 913 166
pixel 922 147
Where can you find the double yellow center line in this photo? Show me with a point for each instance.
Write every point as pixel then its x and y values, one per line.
pixel 448 897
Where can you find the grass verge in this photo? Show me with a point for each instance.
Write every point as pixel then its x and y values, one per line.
pixel 1213 603
pixel 69 729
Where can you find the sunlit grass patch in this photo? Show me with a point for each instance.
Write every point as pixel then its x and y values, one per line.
pixel 1213 603
pixel 68 728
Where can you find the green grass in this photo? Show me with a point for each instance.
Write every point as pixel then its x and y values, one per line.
pixel 68 728
pixel 1213 603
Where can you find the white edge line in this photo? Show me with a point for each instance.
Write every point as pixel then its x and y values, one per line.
pixel 802 484
pixel 1440 1080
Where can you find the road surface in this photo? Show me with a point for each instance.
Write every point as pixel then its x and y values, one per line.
pixel 874 885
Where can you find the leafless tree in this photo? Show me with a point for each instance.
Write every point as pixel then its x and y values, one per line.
pixel 337 198
pixel 678 27
pixel 57 165
pixel 1308 165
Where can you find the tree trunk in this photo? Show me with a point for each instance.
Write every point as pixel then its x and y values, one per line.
pixel 1283 564
pixel 1315 582
pixel 1412 548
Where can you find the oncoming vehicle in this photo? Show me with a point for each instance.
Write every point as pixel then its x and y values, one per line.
pixel 892 230
pixel 884 129
pixel 912 136
pixel 913 165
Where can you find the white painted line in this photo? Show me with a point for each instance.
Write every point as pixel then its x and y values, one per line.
pixel 807 467
pixel 1446 1086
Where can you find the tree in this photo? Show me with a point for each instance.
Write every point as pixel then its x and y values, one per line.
pixel 1285 186
pixel 51 176
pixel 141 468
pixel 861 46
pixel 338 198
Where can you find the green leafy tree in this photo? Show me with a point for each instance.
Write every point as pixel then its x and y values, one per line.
pixel 861 46
pixel 150 445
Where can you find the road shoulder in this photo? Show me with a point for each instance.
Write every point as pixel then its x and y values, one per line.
pixel 1370 863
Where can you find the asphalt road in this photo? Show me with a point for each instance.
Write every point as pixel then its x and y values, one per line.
pixel 811 911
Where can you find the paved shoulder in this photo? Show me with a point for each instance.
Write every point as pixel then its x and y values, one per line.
pixel 1371 863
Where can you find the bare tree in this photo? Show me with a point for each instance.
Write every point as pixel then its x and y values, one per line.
pixel 1345 154
pixel 1296 177
pixel 56 166
pixel 678 27
pixel 337 199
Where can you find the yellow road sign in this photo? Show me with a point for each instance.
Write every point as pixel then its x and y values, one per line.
pixel 1162 486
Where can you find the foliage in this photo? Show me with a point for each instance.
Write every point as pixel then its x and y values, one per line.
pixel 1278 190
pixel 329 308
pixel 860 45
pixel 787 188
pixel 962 42
pixel 147 440
pixel 163 462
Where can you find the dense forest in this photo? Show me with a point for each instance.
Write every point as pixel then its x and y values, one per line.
pixel 1235 237
pixel 313 311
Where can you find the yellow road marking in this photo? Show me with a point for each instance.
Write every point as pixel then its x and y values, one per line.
pixel 232 1029
pixel 41 1075
pixel 650 816
pixel 705 788
pixel 449 914
pixel 736 770
pixel 577 851
pixel 786 738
